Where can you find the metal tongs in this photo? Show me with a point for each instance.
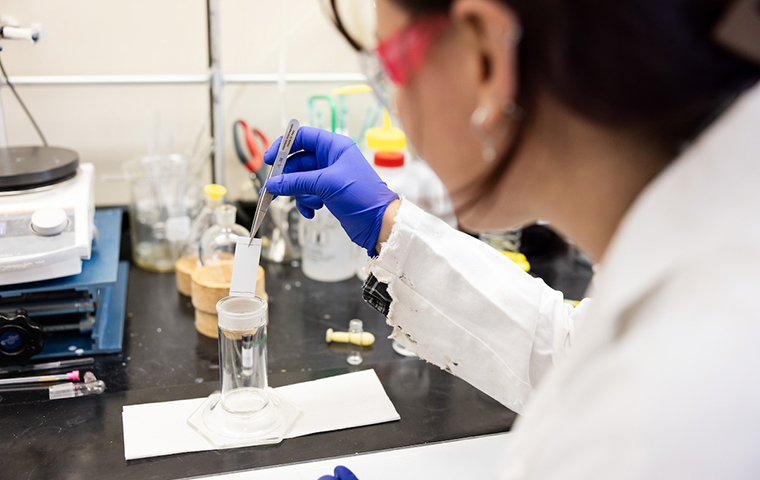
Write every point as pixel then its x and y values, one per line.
pixel 279 163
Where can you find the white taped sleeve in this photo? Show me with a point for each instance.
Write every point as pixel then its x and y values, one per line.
pixel 465 307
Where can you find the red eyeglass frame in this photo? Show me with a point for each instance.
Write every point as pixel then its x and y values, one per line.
pixel 402 53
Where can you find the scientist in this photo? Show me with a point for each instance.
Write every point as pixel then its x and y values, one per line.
pixel 633 126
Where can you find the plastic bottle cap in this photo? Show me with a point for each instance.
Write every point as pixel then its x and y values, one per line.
pixel 214 191
pixel 389 159
pixel 386 138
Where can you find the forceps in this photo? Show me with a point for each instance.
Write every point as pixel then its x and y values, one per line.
pixel 279 163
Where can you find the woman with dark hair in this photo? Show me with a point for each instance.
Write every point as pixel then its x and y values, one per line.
pixel 633 126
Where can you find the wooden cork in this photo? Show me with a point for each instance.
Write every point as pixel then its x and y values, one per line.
pixel 211 283
pixel 184 268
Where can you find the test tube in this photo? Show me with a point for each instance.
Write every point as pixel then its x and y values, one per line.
pixel 243 354
pixel 355 328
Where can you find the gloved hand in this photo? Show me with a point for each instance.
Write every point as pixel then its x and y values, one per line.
pixel 331 171
pixel 341 473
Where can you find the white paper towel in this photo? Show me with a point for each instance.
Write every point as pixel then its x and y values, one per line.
pixel 333 403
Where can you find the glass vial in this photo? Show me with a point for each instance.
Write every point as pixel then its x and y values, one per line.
pixel 243 354
pixel 355 333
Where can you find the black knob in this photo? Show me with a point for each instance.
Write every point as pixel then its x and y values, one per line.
pixel 20 338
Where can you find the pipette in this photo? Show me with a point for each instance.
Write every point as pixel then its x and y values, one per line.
pixel 279 163
pixel 45 378
pixel 90 386
pixel 35 367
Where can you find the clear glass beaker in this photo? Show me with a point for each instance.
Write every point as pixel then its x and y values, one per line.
pixel 164 198
pixel 243 353
pixel 251 413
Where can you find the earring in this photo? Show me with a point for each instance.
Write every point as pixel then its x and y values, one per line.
pixel 492 137
pixel 478 128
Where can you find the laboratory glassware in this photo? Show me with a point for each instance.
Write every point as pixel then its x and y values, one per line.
pixel 89 386
pixel 164 197
pixel 279 231
pixel 355 350
pixel 218 242
pixel 205 219
pixel 506 241
pixel 246 411
pixel 73 376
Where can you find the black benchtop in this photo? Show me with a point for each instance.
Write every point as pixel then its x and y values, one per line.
pixel 164 359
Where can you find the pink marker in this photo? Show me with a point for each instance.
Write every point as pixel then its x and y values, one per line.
pixel 72 376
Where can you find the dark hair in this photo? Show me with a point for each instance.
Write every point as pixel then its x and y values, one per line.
pixel 645 64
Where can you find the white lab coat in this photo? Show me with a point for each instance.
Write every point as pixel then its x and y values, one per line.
pixel 657 377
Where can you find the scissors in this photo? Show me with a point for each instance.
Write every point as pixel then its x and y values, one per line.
pixel 256 160
pixel 279 163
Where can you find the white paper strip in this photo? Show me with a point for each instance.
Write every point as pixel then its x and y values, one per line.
pixel 334 403
pixel 245 267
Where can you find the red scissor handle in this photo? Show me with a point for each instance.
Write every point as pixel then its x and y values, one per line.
pixel 256 160
pixel 257 156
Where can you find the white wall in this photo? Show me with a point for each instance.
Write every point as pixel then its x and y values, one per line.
pixel 107 125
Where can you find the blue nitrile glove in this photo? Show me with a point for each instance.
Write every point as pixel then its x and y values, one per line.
pixel 341 473
pixel 331 171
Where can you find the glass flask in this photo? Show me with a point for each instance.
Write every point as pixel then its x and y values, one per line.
pixel 246 411
pixel 205 219
pixel 218 242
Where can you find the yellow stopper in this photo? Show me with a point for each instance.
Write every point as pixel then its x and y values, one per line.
pixel 518 258
pixel 365 338
pixel 351 89
pixel 386 138
pixel 214 191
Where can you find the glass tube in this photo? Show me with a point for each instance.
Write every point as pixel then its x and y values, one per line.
pixel 251 413
pixel 243 353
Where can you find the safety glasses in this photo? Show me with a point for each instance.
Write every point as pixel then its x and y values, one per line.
pixel 390 62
